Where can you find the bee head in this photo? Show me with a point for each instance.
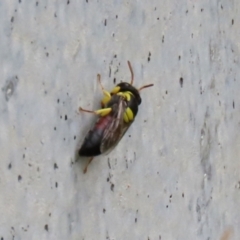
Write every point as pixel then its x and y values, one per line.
pixel 127 87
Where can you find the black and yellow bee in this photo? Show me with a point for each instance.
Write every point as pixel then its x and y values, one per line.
pixel 119 109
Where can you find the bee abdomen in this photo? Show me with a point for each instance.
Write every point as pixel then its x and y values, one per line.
pixel 92 142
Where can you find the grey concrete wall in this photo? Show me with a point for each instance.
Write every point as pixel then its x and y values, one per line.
pixel 175 174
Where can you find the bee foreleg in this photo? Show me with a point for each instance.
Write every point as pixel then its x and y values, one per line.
pixel 89 161
pixel 106 98
pixel 99 81
pixel 107 95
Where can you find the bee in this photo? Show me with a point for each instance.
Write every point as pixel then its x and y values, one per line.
pixel 118 111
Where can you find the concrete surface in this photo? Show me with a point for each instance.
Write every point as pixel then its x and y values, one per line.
pixel 176 173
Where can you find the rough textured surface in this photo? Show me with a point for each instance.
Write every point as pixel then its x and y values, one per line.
pixel 175 175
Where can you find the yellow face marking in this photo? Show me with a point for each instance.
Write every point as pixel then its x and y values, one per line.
pixel 116 90
pixel 103 112
pixel 120 94
pixel 126 95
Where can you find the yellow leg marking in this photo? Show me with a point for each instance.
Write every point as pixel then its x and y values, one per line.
pixel 89 161
pixel 115 90
pixel 129 113
pixel 103 112
pixel 107 94
pixel 106 98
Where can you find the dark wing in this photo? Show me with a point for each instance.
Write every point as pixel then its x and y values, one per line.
pixel 117 127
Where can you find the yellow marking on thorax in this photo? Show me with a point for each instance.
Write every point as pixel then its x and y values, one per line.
pixel 128 115
pixel 116 90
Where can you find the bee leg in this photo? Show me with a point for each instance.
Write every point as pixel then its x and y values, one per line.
pixel 107 95
pixel 99 81
pixel 85 110
pixel 102 112
pixel 89 161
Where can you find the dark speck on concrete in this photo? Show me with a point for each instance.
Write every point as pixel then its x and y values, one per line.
pixel 181 82
pixel 55 166
pixel 46 227
pixel 19 178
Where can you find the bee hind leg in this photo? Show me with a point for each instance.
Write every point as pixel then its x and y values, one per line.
pixel 85 110
pixel 89 161
pixel 102 112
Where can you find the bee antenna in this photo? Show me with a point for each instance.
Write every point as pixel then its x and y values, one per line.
pixel 145 86
pixel 132 75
